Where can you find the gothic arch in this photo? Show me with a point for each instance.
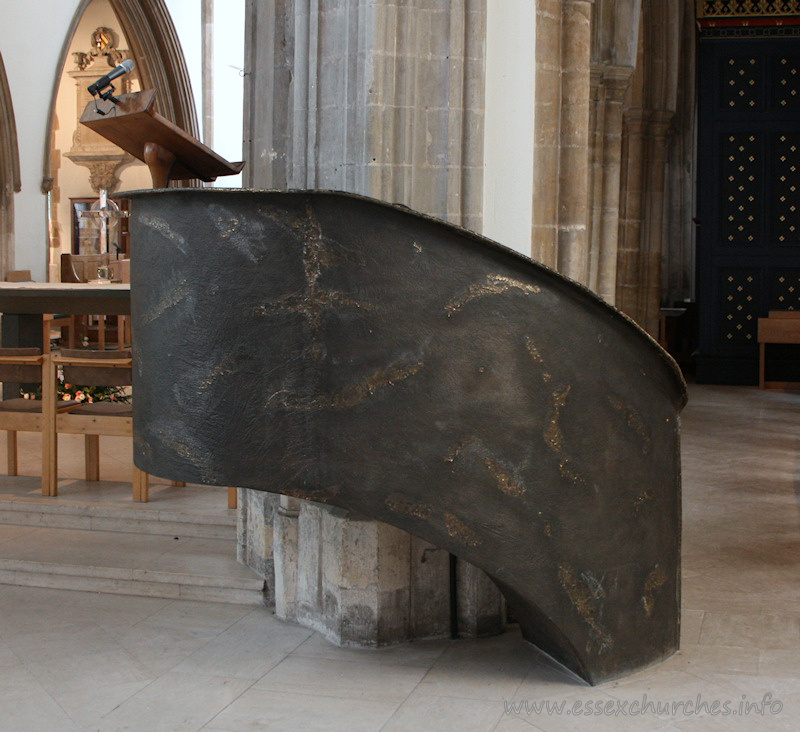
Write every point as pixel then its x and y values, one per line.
pixel 160 63
pixel 10 181
pixel 154 42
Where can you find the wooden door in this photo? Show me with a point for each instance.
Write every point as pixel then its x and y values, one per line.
pixel 748 182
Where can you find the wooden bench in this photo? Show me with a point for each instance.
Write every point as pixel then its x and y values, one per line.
pixel 782 326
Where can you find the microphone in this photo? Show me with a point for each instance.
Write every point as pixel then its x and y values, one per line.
pixel 124 68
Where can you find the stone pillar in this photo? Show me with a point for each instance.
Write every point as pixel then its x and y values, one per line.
pixel 360 582
pixel 616 82
pixel 254 534
pixel 430 579
pixel 547 125
pixel 642 216
pixel 596 170
pixel 286 541
pixel 653 233
pixel 363 596
pixel 424 130
pixel 561 191
pixel 666 28
pixel 631 212
pixel 573 181
pixel 677 277
pixel 379 98
pixel 481 609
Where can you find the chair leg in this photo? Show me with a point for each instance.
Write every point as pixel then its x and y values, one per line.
pixel 49 434
pixel 46 325
pixel 177 484
pixel 92 457
pixel 233 500
pixel 141 486
pixel 11 443
pixel 73 327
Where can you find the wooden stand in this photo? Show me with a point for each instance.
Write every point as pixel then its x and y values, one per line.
pixel 169 152
pixel 782 326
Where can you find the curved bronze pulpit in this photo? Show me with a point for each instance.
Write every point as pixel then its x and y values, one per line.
pixel 337 349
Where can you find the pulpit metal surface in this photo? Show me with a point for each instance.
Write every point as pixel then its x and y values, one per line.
pixel 337 349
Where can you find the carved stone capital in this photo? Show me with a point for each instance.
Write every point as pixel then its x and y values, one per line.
pixel 660 122
pixel 103 169
pixel 636 118
pixel 617 79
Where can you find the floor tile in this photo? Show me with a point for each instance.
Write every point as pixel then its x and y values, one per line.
pixel 488 669
pixel 248 649
pixel 764 630
pixel 281 711
pixel 423 711
pixel 346 679
pixel 422 653
pixel 173 703
pixel 27 707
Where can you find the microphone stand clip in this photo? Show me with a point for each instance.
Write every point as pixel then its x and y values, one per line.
pixel 106 96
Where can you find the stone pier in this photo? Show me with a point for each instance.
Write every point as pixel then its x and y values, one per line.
pixel 357 581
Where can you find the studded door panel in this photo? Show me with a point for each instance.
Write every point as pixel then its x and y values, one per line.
pixel 748 243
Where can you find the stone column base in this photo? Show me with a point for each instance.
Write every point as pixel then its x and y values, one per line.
pixel 360 582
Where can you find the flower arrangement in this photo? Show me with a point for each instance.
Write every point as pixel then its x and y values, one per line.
pixel 88 394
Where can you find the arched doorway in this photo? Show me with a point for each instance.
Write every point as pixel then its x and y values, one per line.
pixel 143 30
pixel 10 182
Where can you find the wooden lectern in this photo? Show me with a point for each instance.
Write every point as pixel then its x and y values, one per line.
pixel 169 152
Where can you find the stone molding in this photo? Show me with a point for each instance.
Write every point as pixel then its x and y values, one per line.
pixel 610 85
pixel 10 180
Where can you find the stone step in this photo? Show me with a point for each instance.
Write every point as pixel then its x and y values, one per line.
pixel 150 565
pixel 66 513
pixel 141 582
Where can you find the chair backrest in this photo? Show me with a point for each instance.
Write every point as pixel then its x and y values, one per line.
pixel 91 375
pixel 18 275
pixel 20 373
pixel 82 267
pixel 120 269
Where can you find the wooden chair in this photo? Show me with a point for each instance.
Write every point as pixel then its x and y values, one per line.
pixel 87 368
pixel 18 275
pixel 22 366
pixel 64 323
pixel 97 329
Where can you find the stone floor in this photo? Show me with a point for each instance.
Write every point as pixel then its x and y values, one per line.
pixel 97 661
